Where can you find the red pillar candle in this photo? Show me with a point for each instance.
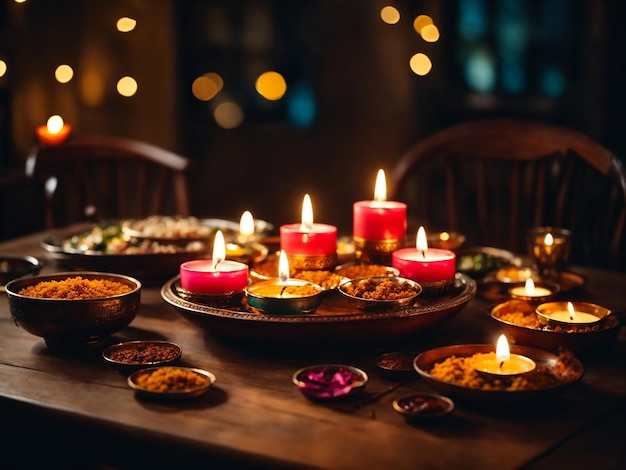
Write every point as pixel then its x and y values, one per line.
pixel 378 226
pixel 309 240
pixel 427 266
pixel 54 132
pixel 214 275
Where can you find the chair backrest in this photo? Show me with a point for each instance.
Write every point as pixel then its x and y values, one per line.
pixel 494 179
pixel 101 178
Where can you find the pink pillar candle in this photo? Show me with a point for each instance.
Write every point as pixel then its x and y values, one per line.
pixel 430 265
pixel 200 276
pixel 379 220
pixel 313 240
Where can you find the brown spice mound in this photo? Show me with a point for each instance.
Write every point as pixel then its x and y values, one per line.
pixel 144 353
pixel 529 320
pixel 75 288
pixel 326 279
pixel 380 289
pixel 460 371
pixel 171 379
pixel 302 291
pixel 363 270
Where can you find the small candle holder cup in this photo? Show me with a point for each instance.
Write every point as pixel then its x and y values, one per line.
pixel 376 251
pixel 550 258
pixel 543 292
pixel 312 262
pixel 587 315
pixel 212 299
pixel 283 297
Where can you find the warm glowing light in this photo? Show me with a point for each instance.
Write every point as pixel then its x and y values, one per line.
pixel 307 213
pixel 54 124
pixel 207 86
pixel 125 24
pixel 271 86
pixel 571 311
pixel 444 236
pixel 529 287
pixel 420 22
pixel 228 115
pixel 430 33
pixel 3 68
pixel 420 64
pixel 380 188
pixel 20 1
pixel 421 243
pixel 246 224
pixel 127 86
pixel 64 73
pixel 549 240
pixel 503 352
pixel 219 249
pixel 283 266
pixel 390 15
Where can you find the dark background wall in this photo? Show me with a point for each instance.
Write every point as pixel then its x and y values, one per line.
pixel 369 106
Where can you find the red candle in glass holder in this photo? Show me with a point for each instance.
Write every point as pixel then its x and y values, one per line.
pixel 379 219
pixel 54 132
pixel 423 264
pixel 216 274
pixel 308 238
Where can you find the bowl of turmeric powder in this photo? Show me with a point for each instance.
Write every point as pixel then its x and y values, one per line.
pixel 74 311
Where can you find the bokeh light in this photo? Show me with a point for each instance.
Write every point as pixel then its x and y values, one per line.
pixel 228 115
pixel 420 22
pixel 430 33
pixel 127 86
pixel 420 64
pixel 126 24
pixel 64 73
pixel 390 15
pixel 3 68
pixel 207 86
pixel 271 86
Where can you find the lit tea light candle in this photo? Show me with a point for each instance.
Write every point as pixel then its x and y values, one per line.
pixel 425 265
pixel 549 248
pixel 529 291
pixel 284 295
pixel 504 363
pixel 571 316
pixel 378 225
pixel 309 245
pixel 54 132
pixel 216 274
pixel 246 228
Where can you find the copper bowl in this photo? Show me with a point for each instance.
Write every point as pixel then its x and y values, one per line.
pixel 582 343
pixel 73 324
pixel 13 267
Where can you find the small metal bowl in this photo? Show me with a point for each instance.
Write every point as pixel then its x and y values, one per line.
pixel 423 406
pixel 445 240
pixel 13 267
pixel 517 292
pixel 249 254
pixel 355 270
pixel 206 379
pixel 271 297
pixel 317 382
pixel 396 365
pixel 546 311
pixel 381 304
pixel 130 356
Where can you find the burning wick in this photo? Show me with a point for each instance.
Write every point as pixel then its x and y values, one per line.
pixel 570 309
pixel 421 243
pixel 219 249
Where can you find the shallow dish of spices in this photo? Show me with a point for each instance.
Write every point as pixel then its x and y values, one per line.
pixel 170 382
pixel 74 311
pixel 423 406
pixel 329 381
pixel 396 364
pixel 130 356
pixel 450 371
pixel 381 292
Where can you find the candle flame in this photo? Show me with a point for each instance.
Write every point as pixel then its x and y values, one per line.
pixel 307 213
pixel 549 240
pixel 529 287
pixel 54 124
pixel 283 267
pixel 503 353
pixel 380 189
pixel 246 224
pixel 421 243
pixel 572 312
pixel 219 249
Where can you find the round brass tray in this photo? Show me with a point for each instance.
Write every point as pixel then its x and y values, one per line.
pixel 335 322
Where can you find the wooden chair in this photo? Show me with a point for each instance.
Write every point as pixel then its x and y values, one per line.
pixel 494 179
pixel 98 178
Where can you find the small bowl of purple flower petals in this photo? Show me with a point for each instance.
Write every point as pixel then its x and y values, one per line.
pixel 329 381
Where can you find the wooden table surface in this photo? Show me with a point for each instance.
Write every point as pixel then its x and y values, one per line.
pixel 75 410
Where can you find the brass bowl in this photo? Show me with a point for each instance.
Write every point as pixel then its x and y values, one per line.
pixel 207 379
pixel 258 297
pixel 381 304
pixel 130 356
pixel 12 267
pixel 73 324
pixel 313 381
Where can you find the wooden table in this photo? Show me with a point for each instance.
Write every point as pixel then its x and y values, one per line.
pixel 74 410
